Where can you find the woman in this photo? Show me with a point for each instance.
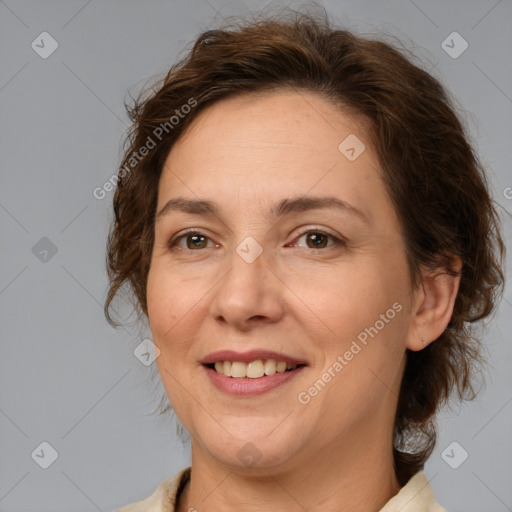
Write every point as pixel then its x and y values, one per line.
pixel 310 236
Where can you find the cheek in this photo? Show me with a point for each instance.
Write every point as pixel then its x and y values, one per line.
pixel 169 314
pixel 165 306
pixel 175 308
pixel 345 305
pixel 159 312
pixel 349 294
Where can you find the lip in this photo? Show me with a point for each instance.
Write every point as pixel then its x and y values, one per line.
pixel 251 355
pixel 247 387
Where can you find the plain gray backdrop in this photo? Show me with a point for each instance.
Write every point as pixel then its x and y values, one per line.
pixel 67 379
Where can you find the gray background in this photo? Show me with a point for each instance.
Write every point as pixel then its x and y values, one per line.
pixel 66 377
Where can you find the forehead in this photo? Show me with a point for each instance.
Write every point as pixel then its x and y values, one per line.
pixel 260 147
pixel 295 118
pixel 286 128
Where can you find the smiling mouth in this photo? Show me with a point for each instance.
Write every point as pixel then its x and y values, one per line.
pixel 253 370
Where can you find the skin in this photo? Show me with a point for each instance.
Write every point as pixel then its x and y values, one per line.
pixel 247 153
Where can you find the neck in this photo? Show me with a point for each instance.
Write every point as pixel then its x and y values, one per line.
pixel 346 477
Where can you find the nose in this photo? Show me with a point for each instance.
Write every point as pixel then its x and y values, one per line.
pixel 249 295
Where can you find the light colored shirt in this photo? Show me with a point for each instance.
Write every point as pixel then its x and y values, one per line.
pixel 415 496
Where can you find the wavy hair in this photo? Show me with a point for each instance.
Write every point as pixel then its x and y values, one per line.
pixel 434 178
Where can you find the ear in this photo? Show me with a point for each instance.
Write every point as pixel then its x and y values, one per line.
pixel 433 304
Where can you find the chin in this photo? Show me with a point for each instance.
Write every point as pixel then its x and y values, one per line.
pixel 251 445
pixel 249 457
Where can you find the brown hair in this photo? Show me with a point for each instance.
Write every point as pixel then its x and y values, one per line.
pixel 434 179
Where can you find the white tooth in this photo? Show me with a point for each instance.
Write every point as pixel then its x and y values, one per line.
pixel 255 369
pixel 270 367
pixel 238 369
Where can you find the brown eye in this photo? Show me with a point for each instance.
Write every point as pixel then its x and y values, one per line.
pixel 317 240
pixel 196 241
pixel 193 240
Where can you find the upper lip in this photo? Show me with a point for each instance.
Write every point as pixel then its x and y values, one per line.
pixel 251 355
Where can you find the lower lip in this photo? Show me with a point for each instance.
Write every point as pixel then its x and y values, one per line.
pixel 245 386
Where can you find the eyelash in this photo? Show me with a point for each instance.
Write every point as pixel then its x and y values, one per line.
pixel 337 241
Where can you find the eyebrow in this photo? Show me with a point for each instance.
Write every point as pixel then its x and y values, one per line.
pixel 279 210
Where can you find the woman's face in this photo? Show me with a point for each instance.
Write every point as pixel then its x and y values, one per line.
pixel 282 248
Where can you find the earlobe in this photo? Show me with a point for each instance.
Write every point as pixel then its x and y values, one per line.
pixel 435 300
